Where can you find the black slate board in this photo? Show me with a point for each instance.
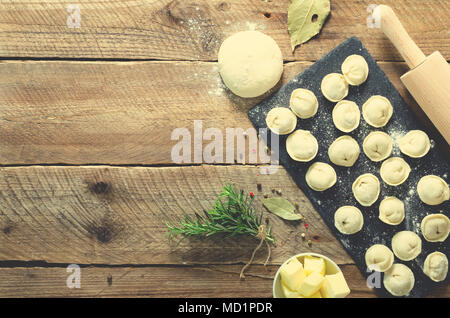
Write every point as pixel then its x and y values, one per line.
pixel 321 126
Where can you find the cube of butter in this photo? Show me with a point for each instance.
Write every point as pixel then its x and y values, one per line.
pixel 314 264
pixel 292 274
pixel 289 293
pixel 316 295
pixel 311 284
pixel 335 286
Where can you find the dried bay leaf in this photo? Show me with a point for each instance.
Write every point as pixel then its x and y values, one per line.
pixel 305 19
pixel 281 207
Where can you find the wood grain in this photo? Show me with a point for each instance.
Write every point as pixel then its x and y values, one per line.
pixel 194 30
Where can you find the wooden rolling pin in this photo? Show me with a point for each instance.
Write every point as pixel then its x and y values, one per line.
pixel 428 81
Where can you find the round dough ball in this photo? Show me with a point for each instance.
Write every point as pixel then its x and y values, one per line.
pixel 334 87
pixel 406 245
pixel 348 219
pixel 433 190
pixel 377 146
pixel 301 145
pixel 250 63
pixel 366 189
pixel 303 103
pixel 320 176
pixel 379 258
pixel 346 116
pixel 281 120
pixel 355 69
pixel 415 144
pixel 394 171
pixel 344 151
pixel 436 266
pixel 399 280
pixel 392 211
pixel 377 111
pixel 435 227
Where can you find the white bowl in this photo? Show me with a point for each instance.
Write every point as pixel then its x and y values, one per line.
pixel 331 268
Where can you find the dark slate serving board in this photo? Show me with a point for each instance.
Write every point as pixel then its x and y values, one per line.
pixel 322 127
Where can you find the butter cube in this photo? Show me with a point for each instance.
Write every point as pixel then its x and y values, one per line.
pixel 289 293
pixel 314 264
pixel 335 286
pixel 311 284
pixel 292 274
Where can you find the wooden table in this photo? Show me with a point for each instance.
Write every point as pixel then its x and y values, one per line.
pixel 86 116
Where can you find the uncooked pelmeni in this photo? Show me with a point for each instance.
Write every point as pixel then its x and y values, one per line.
pixel 377 111
pixel 303 103
pixel 394 171
pixel 366 189
pixel 415 144
pixel 281 120
pixel 436 266
pixel 320 176
pixel 250 63
pixel 433 190
pixel 334 87
pixel 377 146
pixel 301 145
pixel 406 245
pixel 348 219
pixel 355 69
pixel 391 211
pixel 399 280
pixel 346 116
pixel 344 151
pixel 435 227
pixel 379 258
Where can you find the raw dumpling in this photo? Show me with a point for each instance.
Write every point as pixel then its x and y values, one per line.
pixel 377 111
pixel 320 176
pixel 435 227
pixel 303 103
pixel 399 280
pixel 415 144
pixel 301 145
pixel 392 211
pixel 433 190
pixel 346 116
pixel 394 171
pixel 344 151
pixel 379 258
pixel 334 87
pixel 377 146
pixel 348 219
pixel 366 189
pixel 281 120
pixel 436 266
pixel 355 69
pixel 406 245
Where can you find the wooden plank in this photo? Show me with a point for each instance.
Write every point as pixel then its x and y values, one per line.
pixel 188 30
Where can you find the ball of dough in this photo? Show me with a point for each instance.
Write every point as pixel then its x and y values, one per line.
pixel 320 176
pixel 406 245
pixel 399 280
pixel 334 87
pixel 415 144
pixel 436 266
pixel 394 171
pixel 348 219
pixel 355 69
pixel 377 146
pixel 346 116
pixel 366 189
pixel 281 120
pixel 435 227
pixel 301 145
pixel 379 258
pixel 377 111
pixel 303 103
pixel 250 63
pixel 433 190
pixel 391 211
pixel 344 151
